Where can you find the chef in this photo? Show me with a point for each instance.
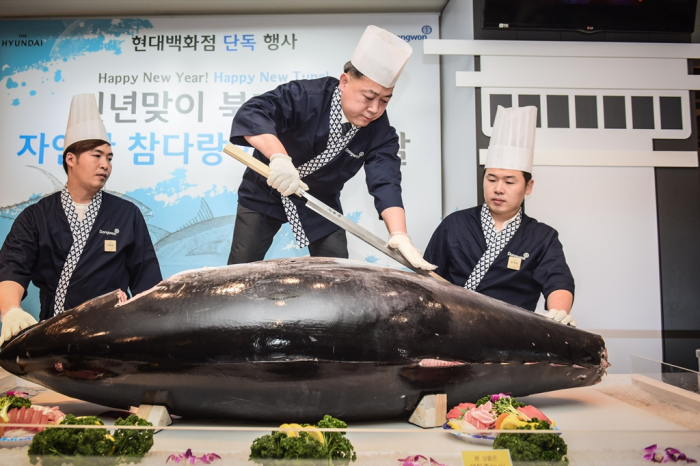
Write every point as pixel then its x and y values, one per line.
pixel 316 135
pixel 81 242
pixel 496 249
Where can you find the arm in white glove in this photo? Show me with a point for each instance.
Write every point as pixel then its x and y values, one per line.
pixel 284 176
pixel 562 317
pixel 13 321
pixel 402 242
pixel 559 303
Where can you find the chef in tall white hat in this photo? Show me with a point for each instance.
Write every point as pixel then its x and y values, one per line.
pixel 80 242
pixel 317 134
pixel 496 249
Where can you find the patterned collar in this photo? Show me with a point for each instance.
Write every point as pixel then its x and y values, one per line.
pixel 495 243
pixel 81 232
pixel 337 142
pixel 488 224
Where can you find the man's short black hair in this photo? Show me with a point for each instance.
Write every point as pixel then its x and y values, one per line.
pixel 350 69
pixel 80 147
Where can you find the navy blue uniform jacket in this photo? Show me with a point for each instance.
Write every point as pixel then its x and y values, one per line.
pixel 458 244
pixel 40 238
pixel 298 113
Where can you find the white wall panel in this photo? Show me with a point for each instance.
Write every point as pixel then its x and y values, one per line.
pixel 580 73
pixel 560 49
pixel 458 110
pixel 606 219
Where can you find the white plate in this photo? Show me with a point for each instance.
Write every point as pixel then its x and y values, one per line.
pixel 480 439
pixel 475 438
pixel 16 438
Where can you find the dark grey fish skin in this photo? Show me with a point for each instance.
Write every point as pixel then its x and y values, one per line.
pixel 295 339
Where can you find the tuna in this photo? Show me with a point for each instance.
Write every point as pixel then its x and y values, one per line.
pixel 295 339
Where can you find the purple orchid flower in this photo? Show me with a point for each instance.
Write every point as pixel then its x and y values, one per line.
pixel 412 460
pixel 207 458
pixel 653 456
pixel 419 460
pixel 675 456
pixel 672 455
pixel 498 396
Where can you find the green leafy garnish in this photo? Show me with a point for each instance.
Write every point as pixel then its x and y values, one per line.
pixel 10 402
pixel 132 442
pixel 278 445
pixel 549 448
pixel 90 446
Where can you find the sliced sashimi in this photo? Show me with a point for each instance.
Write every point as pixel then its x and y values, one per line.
pixel 43 421
pixel 530 411
pixel 21 414
pixel 36 417
pixel 458 411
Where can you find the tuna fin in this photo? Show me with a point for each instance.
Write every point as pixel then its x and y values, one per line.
pixel 203 215
pixel 215 247
pixel 145 210
pixel 57 185
pixel 157 232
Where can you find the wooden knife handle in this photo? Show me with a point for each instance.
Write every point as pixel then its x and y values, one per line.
pixel 247 159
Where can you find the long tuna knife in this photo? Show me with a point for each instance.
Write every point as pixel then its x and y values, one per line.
pixel 329 213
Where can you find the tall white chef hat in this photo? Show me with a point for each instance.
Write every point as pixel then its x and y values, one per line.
pixel 84 121
pixel 381 56
pixel 512 145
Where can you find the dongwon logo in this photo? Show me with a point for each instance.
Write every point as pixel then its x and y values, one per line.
pixel 425 30
pixel 111 233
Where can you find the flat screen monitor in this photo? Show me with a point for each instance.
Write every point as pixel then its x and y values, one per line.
pixel 673 16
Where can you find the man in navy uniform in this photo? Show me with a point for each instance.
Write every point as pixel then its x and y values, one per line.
pixel 496 249
pixel 316 135
pixel 78 243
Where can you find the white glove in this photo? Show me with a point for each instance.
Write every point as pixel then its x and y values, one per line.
pixel 284 177
pixel 13 321
pixel 402 242
pixel 561 317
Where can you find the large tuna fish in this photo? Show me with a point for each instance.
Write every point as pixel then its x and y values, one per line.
pixel 294 339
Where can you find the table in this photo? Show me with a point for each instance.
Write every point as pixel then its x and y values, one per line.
pixel 598 427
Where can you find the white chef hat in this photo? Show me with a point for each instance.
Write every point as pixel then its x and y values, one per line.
pixel 512 145
pixel 381 56
pixel 84 121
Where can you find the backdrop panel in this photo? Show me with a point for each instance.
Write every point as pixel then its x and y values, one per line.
pixel 168 89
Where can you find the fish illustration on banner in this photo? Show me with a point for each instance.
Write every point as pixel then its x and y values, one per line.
pixel 12 211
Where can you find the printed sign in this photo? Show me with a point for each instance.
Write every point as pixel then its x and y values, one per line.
pixel 486 458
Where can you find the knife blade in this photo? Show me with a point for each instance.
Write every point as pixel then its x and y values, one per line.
pixel 329 213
